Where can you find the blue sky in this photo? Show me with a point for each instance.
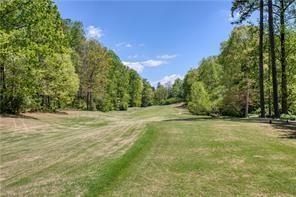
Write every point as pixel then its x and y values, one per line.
pixel 162 40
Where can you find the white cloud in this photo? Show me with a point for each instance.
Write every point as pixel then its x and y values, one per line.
pixel 167 56
pixel 168 80
pixel 128 45
pixel 119 44
pixel 124 44
pixel 94 32
pixel 137 66
pixel 140 65
pixel 153 63
pixel 133 56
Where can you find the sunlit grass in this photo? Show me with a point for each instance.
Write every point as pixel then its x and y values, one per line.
pixel 155 151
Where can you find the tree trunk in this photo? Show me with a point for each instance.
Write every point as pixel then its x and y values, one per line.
pixel 261 71
pixel 2 91
pixel 2 77
pixel 247 100
pixel 269 88
pixel 273 59
pixel 48 102
pixel 91 101
pixel 87 101
pixel 283 58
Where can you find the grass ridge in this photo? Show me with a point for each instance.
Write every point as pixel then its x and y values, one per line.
pixel 119 166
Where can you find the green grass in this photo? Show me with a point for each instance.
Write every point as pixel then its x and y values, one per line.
pixel 213 157
pixel 119 167
pixel 155 151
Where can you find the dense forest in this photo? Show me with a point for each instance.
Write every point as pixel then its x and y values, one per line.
pixel 255 71
pixel 48 63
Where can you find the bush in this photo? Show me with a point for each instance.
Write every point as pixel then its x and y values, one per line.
pixel 288 117
pixel 232 104
pixel 292 109
pixel 199 102
pixel 123 106
pixel 79 104
pixel 105 104
pixel 173 101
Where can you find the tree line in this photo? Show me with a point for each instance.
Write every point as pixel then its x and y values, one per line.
pixel 47 63
pixel 253 63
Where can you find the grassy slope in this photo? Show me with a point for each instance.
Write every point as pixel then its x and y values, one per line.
pixel 212 157
pixel 113 155
pixel 65 154
pixel 119 167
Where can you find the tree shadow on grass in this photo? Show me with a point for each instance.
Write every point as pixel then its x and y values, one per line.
pixel 27 115
pixel 180 106
pixel 288 130
pixel 18 116
pixel 60 113
pixel 199 118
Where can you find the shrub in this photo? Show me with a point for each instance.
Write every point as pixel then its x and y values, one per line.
pixel 288 117
pixel 199 102
pixel 173 101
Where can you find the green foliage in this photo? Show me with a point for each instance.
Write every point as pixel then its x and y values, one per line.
pixel 147 94
pixel 136 87
pixel 161 94
pixel 104 80
pixel 47 62
pixel 291 70
pixel 288 117
pixel 177 90
pixel 74 33
pixel 79 104
pixel 210 73
pixel 173 100
pixel 232 103
pixel 239 62
pixel 118 83
pixel 199 102
pixel 31 34
pixel 229 80
pixel 92 73
pixel 59 82
pixel 16 93
pixel 190 78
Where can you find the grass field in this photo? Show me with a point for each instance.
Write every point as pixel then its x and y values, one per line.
pixel 155 151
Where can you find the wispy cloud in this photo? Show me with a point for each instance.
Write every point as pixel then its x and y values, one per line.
pixel 167 56
pixel 124 44
pixel 133 56
pixel 140 65
pixel 137 66
pixel 94 32
pixel 168 80
pixel 153 63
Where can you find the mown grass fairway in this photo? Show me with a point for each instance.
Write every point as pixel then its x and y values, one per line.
pixel 155 151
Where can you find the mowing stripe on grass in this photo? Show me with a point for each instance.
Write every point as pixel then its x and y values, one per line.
pixel 120 165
